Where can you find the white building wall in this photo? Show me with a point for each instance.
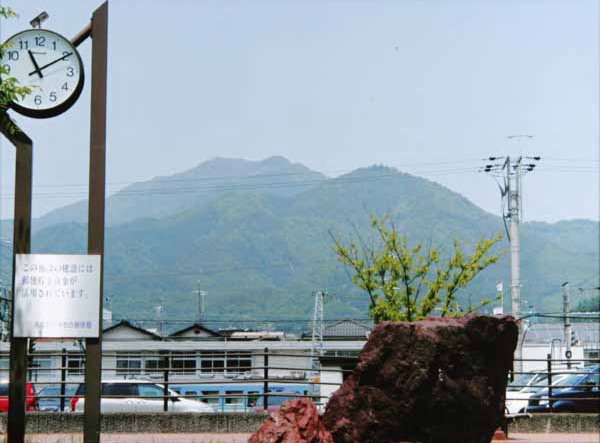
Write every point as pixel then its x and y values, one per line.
pixel 535 357
pixel 301 363
pixel 327 377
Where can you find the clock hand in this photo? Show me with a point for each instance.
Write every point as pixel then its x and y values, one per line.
pixel 37 68
pixel 53 62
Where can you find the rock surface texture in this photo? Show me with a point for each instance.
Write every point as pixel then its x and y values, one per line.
pixel 437 380
pixel 297 421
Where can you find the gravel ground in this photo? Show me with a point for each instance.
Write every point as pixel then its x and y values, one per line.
pixel 141 438
pixel 242 438
pixel 554 438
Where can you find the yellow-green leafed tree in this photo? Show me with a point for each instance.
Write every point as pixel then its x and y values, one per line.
pixel 10 90
pixel 408 282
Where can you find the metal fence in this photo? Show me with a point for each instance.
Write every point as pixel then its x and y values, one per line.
pixel 564 385
pixel 226 388
pixel 240 386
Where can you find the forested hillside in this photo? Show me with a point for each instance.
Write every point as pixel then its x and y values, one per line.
pixel 260 246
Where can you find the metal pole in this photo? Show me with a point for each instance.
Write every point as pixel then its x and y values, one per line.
pixel 97 184
pixel 266 382
pixel 567 322
pixel 21 245
pixel 515 265
pixel 63 378
pixel 549 367
pixel 166 367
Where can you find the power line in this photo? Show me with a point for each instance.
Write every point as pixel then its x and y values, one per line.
pixel 245 187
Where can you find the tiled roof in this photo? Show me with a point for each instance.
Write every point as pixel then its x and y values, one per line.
pixel 347 328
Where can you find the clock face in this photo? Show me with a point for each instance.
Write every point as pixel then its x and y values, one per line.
pixel 47 63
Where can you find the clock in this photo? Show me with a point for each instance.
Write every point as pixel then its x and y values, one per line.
pixel 49 65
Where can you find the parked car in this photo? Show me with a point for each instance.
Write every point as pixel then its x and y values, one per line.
pixel 49 397
pixel 578 392
pixel 137 396
pixel 518 394
pixel 30 397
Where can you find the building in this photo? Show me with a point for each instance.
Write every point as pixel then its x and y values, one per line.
pixel 542 339
pixel 192 352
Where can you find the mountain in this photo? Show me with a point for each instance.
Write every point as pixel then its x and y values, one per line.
pixel 165 196
pixel 260 251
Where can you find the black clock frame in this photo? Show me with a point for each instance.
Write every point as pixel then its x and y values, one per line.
pixel 64 106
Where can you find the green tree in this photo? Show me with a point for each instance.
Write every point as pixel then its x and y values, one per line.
pixel 10 90
pixel 589 304
pixel 407 282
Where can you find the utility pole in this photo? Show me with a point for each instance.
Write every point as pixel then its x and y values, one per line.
pixel 200 306
pixel 511 194
pixel 567 322
pixel 160 317
pixel 316 348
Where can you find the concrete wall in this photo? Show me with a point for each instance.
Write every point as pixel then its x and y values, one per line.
pixel 41 422
pixel 556 423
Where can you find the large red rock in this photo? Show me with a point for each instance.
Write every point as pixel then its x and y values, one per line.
pixel 433 381
pixel 297 421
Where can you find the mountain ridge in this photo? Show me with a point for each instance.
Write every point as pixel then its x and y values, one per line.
pixel 261 254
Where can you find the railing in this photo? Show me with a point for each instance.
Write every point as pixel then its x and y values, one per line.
pixel 266 379
pixel 564 385
pixel 226 388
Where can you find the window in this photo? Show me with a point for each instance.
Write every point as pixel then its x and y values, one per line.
pixel 4 367
pixel 41 367
pixel 129 364
pixel 183 364
pixel 210 397
pixel 239 362
pixel 191 394
pixel 212 362
pixel 75 365
pixel 234 397
pixel 252 398
pixel 229 363
pixel 152 365
pixel 152 391
pixel 120 389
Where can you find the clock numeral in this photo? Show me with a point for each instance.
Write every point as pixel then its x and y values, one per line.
pixel 54 45
pixel 37 99
pixel 66 54
pixel 40 41
pixel 6 69
pixel 23 44
pixel 53 96
pixel 13 55
pixel 65 87
pixel 70 71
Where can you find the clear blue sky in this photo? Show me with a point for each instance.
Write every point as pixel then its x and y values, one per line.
pixel 428 87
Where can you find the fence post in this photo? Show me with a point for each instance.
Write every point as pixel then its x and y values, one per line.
pixel 166 367
pixel 266 378
pixel 63 378
pixel 549 364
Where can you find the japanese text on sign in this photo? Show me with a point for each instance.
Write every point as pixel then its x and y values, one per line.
pixel 57 295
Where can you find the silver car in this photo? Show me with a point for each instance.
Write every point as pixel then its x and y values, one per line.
pixel 137 396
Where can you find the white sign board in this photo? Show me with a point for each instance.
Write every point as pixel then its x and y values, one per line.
pixel 57 296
